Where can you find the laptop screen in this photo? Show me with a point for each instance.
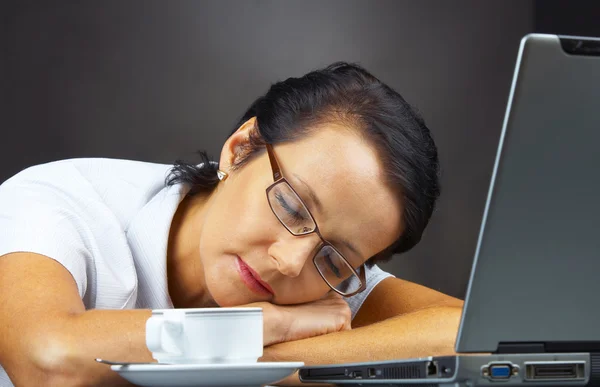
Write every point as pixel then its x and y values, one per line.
pixel 536 273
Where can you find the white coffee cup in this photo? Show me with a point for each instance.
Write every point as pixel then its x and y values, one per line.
pixel 205 335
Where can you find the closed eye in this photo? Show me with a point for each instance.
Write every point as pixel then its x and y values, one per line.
pixel 291 211
pixel 332 266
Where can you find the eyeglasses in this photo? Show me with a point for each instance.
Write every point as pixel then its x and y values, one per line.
pixel 294 215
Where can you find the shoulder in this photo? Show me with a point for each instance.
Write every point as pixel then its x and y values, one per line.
pixel 122 186
pixel 52 184
pixel 66 172
pixel 374 275
pixel 131 171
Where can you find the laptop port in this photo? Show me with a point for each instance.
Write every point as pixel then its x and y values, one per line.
pixel 357 374
pixel 371 372
pixel 499 371
pixel 555 371
pixel 432 369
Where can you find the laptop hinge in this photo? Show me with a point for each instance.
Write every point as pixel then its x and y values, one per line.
pixel 521 348
pixel 549 347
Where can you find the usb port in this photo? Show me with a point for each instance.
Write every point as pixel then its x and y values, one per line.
pixel 371 372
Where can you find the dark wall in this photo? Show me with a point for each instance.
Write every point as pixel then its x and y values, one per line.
pixel 156 80
pixel 568 17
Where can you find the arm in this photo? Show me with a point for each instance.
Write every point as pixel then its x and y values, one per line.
pixel 400 297
pixel 46 335
pixel 416 321
pixel 47 338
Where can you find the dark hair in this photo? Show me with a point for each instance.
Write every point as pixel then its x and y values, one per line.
pixel 349 94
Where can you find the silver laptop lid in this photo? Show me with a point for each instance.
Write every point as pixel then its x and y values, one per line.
pixel 536 274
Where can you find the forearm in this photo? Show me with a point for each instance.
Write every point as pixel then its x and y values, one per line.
pixel 66 354
pixel 117 335
pixel 47 338
pixel 426 332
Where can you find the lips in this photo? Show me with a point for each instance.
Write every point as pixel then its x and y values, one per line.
pixel 252 280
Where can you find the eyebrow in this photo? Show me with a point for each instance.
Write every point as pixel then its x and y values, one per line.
pixel 313 196
pixel 315 199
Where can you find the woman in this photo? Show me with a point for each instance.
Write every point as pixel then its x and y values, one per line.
pixel 324 176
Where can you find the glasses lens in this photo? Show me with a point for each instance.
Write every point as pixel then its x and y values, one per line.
pixel 336 271
pixel 290 210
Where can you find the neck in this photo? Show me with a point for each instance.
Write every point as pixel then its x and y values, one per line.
pixel 185 273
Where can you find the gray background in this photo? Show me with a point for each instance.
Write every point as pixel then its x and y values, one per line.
pixel 157 80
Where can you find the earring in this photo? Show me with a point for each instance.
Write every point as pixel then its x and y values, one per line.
pixel 221 175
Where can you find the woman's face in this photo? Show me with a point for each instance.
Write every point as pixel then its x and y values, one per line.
pixel 241 237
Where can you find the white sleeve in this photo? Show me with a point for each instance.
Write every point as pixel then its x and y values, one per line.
pixel 374 276
pixel 38 215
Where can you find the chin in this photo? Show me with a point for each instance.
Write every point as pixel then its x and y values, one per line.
pixel 225 295
pixel 225 302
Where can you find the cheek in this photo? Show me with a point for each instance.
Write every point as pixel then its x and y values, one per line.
pixel 222 282
pixel 240 220
pixel 236 224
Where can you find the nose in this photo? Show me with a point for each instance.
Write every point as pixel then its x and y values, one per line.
pixel 292 252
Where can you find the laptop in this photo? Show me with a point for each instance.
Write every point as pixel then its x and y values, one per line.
pixel 532 309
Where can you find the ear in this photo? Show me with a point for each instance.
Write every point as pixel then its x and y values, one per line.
pixel 237 144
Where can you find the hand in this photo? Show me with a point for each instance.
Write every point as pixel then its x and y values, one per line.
pixel 294 322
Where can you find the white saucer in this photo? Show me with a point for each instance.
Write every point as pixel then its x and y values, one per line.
pixel 187 375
